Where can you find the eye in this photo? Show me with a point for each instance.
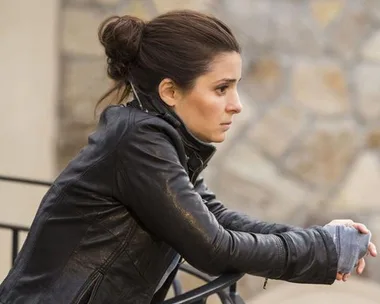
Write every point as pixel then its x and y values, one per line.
pixel 222 89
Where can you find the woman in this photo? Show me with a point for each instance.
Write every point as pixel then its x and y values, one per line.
pixel 119 218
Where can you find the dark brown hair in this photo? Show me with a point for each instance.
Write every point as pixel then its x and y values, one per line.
pixel 179 45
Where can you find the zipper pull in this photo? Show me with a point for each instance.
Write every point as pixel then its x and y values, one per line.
pixel 265 283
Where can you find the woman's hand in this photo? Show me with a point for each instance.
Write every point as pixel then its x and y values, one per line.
pixel 371 247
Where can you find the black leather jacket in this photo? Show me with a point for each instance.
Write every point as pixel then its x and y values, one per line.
pixel 132 199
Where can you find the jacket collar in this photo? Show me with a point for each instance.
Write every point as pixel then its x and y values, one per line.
pixel 196 149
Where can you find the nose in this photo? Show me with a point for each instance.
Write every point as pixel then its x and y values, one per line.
pixel 235 105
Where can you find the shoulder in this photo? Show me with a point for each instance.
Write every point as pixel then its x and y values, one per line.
pixel 126 124
pixel 144 138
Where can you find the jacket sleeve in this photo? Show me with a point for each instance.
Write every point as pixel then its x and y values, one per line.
pixel 234 220
pixel 153 183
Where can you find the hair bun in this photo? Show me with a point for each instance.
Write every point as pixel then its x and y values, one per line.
pixel 121 38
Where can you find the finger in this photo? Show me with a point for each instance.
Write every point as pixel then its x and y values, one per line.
pixel 361 227
pixel 339 276
pixel 342 222
pixel 372 249
pixel 361 266
pixel 346 276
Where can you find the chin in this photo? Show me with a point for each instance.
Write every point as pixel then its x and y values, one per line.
pixel 218 139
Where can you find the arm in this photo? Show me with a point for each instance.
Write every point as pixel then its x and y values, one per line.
pixel 234 220
pixel 154 184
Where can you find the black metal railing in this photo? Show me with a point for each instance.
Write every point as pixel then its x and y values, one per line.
pixel 15 237
pixel 20 180
pixel 225 286
pixel 16 229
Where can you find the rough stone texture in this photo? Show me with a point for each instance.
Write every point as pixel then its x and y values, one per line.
pixel 264 79
pixel 346 34
pixel 78 110
pixel 357 193
pixel 374 9
pixel 373 138
pixel 322 157
pixel 79 99
pixel 371 47
pixel 367 85
pixel 140 8
pixel 277 129
pixel 306 148
pixel 256 187
pixel 254 23
pixel 165 5
pixel 326 11
pixel 320 86
pixel 296 35
pixel 79 31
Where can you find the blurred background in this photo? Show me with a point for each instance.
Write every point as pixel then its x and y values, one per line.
pixel 304 151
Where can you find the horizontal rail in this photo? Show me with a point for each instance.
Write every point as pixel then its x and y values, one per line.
pixel 14 227
pixel 35 182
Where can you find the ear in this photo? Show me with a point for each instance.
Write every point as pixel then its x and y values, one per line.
pixel 168 92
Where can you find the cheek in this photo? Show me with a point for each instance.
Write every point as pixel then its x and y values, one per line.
pixel 204 106
pixel 210 107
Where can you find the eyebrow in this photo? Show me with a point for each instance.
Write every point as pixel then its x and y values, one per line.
pixel 229 80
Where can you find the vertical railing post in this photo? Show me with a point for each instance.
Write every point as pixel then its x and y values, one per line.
pixel 14 228
pixel 15 242
pixel 235 297
pixel 15 235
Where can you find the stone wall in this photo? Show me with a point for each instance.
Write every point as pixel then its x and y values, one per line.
pixel 306 148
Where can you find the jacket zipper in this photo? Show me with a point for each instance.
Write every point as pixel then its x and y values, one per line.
pixel 265 283
pixel 91 286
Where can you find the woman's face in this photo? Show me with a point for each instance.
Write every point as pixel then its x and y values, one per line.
pixel 208 109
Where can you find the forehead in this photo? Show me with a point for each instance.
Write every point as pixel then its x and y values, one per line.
pixel 225 65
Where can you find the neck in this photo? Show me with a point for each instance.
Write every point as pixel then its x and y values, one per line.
pixel 156 106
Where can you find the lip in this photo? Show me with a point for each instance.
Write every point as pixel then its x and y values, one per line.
pixel 226 126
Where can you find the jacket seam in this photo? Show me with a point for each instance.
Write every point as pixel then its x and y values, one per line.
pixel 92 279
pixel 287 241
pixel 281 251
pixel 134 265
pixel 218 246
pixel 133 262
pixel 329 258
pixel 116 253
